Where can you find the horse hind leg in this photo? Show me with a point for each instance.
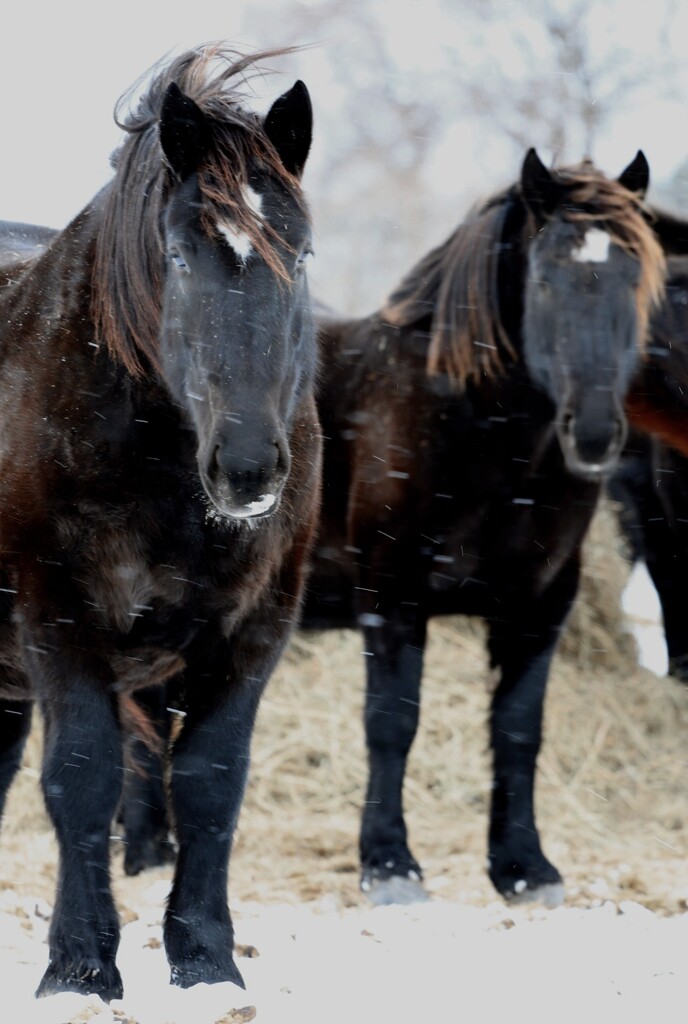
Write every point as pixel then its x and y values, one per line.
pixel 144 805
pixel 394 646
pixel 15 723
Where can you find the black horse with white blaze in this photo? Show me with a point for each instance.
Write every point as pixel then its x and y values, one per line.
pixel 468 428
pixel 160 471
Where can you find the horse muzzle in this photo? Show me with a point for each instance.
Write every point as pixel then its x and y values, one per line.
pixel 246 483
pixel 591 446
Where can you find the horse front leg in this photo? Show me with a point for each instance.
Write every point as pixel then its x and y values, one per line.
pixel 521 647
pixel 210 759
pixel 81 781
pixel 394 643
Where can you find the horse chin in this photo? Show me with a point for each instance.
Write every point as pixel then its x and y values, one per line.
pixel 223 506
pixel 591 472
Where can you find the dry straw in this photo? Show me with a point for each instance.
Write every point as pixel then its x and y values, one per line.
pixel 611 795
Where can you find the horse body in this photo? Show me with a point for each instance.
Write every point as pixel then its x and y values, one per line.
pixel 464 508
pixel 469 488
pixel 651 483
pixel 160 474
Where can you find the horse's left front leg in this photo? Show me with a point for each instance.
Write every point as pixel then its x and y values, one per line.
pixel 210 760
pixel 522 642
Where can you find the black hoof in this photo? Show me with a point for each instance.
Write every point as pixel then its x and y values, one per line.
pixel 385 892
pixel 88 978
pixel 393 882
pixel 527 879
pixel 184 975
pixel 551 894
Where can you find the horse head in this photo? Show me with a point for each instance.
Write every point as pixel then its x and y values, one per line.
pixel 199 277
pixel 236 337
pixel 593 271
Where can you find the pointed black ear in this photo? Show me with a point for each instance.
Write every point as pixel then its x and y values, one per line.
pixel 636 177
pixel 289 126
pixel 541 190
pixel 183 132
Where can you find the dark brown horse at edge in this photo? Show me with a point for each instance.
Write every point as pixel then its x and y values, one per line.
pixel 160 474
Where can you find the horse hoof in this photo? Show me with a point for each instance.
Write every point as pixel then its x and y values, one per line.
pixel 396 889
pixel 550 894
pixel 196 972
pixel 88 978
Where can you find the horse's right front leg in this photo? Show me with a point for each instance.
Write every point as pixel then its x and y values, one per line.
pixel 81 780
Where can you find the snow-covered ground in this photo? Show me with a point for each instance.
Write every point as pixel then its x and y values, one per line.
pixel 643 614
pixel 434 962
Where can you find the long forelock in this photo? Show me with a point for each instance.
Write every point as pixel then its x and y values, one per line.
pixel 605 203
pixel 238 160
pixel 456 285
pixel 127 276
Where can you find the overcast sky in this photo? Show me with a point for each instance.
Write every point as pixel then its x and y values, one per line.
pixel 63 65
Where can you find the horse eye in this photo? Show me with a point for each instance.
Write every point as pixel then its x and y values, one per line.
pixel 302 258
pixel 178 260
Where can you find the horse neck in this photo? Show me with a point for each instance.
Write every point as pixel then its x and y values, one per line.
pixel 57 281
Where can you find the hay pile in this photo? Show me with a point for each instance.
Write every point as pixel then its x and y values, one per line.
pixel 611 799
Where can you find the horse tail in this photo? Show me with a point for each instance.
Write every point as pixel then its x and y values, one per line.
pixel 137 722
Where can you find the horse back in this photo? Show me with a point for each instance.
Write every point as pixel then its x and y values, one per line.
pixel 20 243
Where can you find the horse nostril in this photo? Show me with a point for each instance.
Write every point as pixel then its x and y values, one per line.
pixel 620 432
pixel 249 467
pixel 568 424
pixel 281 462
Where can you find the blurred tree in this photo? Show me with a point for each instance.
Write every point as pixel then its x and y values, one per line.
pixel 422 107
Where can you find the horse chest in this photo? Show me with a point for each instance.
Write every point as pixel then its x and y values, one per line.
pixel 126 589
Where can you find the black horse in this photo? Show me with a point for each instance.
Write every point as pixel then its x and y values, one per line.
pixel 651 483
pixel 160 485
pixel 469 426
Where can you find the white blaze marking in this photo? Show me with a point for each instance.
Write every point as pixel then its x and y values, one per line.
pixel 240 240
pixel 594 248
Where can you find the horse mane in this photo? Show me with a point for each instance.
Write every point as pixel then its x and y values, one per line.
pixel 128 267
pixel 671 229
pixel 457 283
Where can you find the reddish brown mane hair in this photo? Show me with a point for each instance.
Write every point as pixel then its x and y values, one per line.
pixel 456 284
pixel 127 272
pixel 658 402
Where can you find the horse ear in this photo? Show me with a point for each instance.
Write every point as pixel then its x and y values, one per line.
pixel 183 131
pixel 289 126
pixel 541 191
pixel 636 177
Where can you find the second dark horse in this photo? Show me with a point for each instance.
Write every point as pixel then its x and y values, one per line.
pixel 468 428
